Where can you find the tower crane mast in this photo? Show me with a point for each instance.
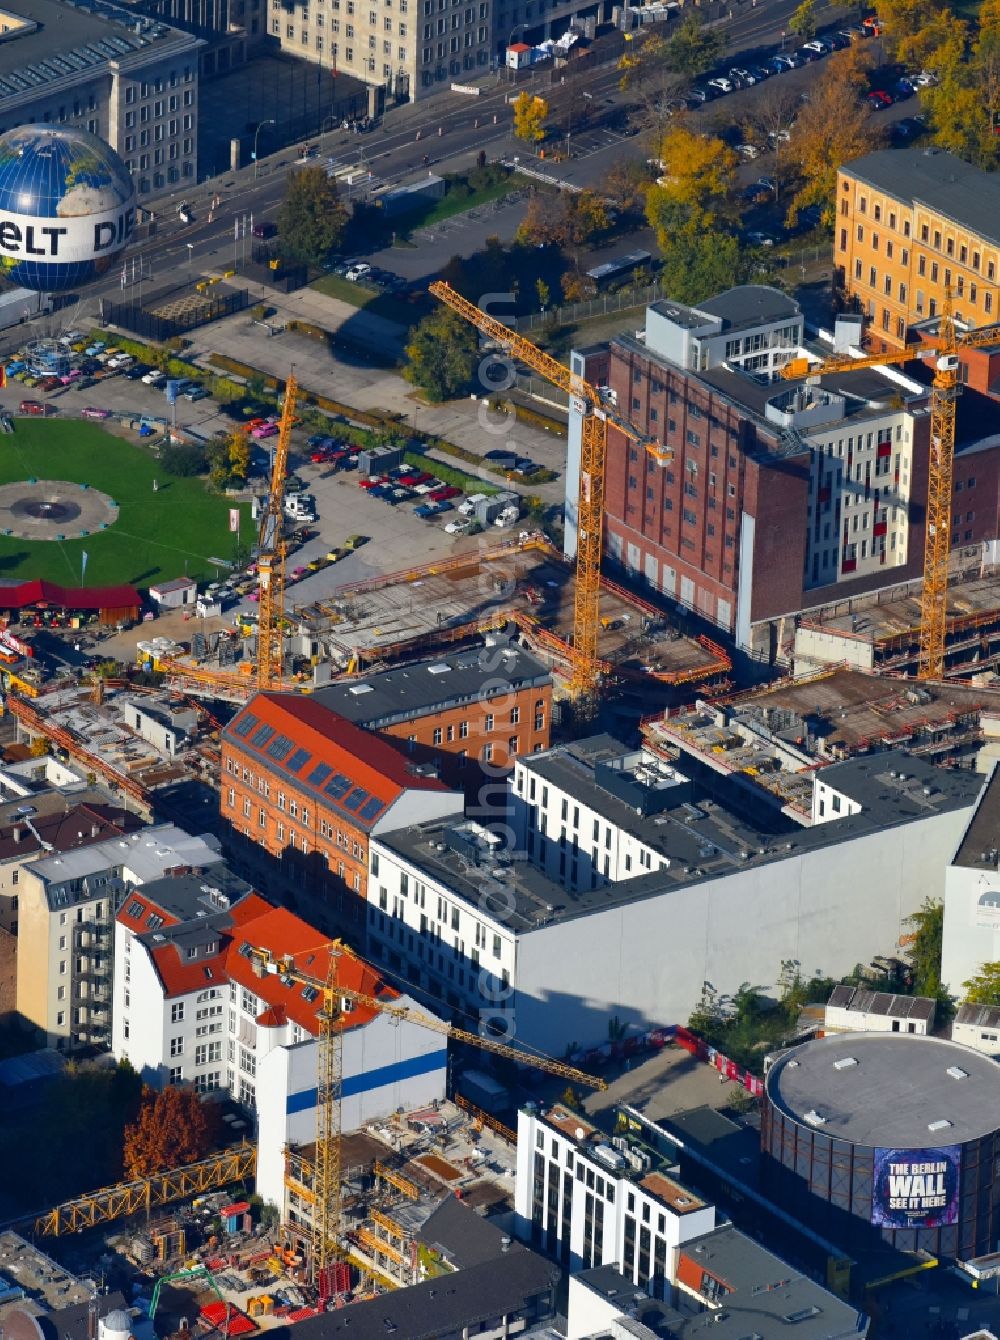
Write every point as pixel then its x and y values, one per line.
pixel 945 390
pixel 328 1219
pixel 597 412
pixel 271 553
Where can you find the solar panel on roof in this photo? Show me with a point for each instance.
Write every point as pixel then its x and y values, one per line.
pixel 370 808
pixel 298 760
pixel 279 747
pixel 319 774
pixel 355 798
pixel 245 725
pixel 261 736
pixel 337 786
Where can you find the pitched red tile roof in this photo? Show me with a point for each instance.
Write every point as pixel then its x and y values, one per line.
pixel 280 932
pixel 250 906
pixel 345 767
pixel 19 594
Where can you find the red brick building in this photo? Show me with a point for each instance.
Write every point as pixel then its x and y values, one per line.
pixel 781 495
pixel 307 788
pixel 483 706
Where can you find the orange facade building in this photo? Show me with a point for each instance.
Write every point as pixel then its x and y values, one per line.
pixel 306 788
pixel 912 224
pixel 471 710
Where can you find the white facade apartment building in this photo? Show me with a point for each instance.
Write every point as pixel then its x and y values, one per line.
pixel 190 1008
pixel 408 47
pixel 971 935
pixel 629 886
pixel 588 1200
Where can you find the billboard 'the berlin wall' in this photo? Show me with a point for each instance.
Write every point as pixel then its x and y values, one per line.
pixel 916 1188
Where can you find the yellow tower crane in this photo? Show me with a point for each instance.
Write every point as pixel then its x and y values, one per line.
pixel 271 554
pixel 945 391
pixel 328 1215
pixel 597 413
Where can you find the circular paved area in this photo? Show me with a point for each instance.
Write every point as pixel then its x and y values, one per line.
pixel 53 509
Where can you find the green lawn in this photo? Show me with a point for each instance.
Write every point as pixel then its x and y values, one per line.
pixel 404 312
pixel 155 534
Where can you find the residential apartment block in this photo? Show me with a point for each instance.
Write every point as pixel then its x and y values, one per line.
pixel 911 224
pixel 781 496
pixel 309 789
pixel 487 705
pixel 191 1007
pixel 408 47
pixel 129 79
pixel 626 881
pixel 68 903
pixel 46 805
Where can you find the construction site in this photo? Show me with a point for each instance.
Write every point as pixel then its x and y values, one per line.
pixel 882 633
pixel 774 738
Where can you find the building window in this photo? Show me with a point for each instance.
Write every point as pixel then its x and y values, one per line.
pixel 177 1012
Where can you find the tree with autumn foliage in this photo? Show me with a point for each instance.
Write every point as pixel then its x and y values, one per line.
pixel 530 115
pixel 174 1127
pixel 961 105
pixel 698 174
pixel 835 126
pixel 568 219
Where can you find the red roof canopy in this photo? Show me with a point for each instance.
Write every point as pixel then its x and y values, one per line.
pixel 20 594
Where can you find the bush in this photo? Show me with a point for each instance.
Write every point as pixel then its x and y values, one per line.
pixel 183 459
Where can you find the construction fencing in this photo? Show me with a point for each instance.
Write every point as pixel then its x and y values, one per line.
pixel 606 304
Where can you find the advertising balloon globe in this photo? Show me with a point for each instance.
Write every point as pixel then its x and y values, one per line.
pixel 67 207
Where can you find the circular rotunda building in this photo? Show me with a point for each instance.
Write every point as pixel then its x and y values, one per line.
pixel 886 1138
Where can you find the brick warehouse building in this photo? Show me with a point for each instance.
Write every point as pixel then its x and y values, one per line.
pixel 307 789
pixel 781 495
pixel 486 705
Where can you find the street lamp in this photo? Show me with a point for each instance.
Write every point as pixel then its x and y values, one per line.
pixel 268 122
pixel 190 247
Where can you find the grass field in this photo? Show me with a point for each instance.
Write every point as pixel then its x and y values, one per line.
pixel 155 534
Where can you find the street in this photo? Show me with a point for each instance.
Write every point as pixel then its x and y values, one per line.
pixel 450 130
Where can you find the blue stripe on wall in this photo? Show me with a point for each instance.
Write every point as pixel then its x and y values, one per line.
pixel 372 1079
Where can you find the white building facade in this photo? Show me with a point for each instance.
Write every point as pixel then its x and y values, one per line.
pixel 535 938
pixel 589 1202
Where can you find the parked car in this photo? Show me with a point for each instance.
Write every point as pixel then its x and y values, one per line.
pixel 359 270
pixel 759 239
pixel 748 151
pixel 265 230
pixel 811 51
pixel 153 377
pixel 33 407
pixel 92 412
pixel 903 89
pixel 194 393
pixel 444 493
pixel 879 100
pixel 721 84
pixel 265 430
pixel 457 527
pixel 909 128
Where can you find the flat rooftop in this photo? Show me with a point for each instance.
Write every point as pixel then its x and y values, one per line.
pixel 768 1297
pixel 946 184
pixel 147 854
pixel 379 700
pixel 47 1284
pixel 888 1089
pixel 657 1179
pixel 980 845
pixel 74 42
pixel 703 838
